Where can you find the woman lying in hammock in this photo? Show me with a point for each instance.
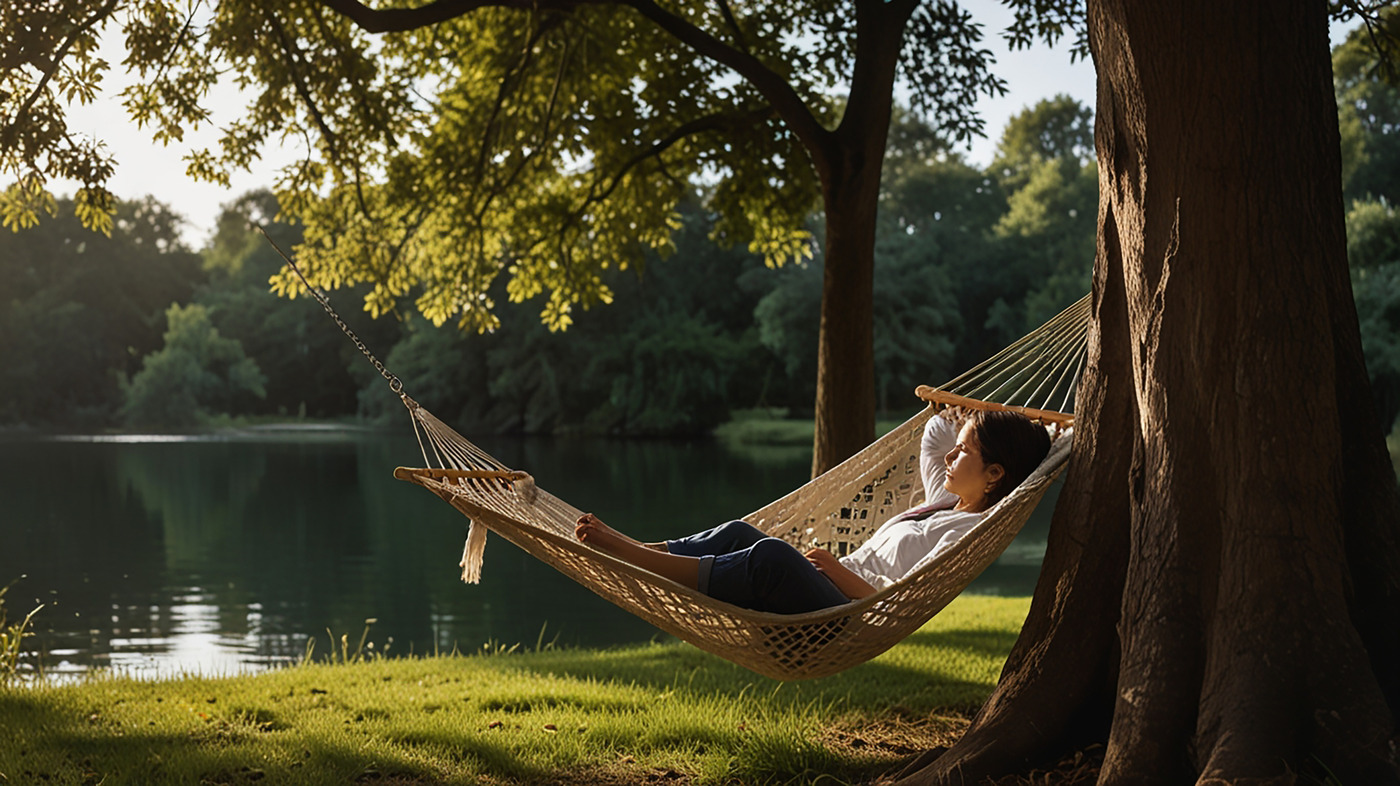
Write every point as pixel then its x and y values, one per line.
pixel 965 472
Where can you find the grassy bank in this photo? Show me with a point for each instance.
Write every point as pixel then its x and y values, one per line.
pixel 773 428
pixel 653 713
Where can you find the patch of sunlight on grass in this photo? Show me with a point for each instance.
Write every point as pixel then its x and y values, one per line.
pixel 630 714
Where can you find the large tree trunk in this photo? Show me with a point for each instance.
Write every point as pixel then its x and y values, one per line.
pixel 845 406
pixel 1220 599
pixel 849 162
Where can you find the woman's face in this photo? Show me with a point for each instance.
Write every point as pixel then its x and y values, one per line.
pixel 968 476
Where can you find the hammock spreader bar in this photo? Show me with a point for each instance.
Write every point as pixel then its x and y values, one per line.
pixel 936 396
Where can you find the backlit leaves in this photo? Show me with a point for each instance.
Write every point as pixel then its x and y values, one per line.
pixel 946 70
pixel 22 202
pixel 542 145
pixel 47 61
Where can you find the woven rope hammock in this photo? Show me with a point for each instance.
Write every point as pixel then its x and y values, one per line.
pixel 837 510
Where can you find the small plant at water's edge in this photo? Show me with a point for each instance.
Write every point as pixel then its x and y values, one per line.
pixel 340 650
pixel 12 637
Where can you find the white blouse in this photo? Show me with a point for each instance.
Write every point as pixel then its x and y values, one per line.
pixel 919 534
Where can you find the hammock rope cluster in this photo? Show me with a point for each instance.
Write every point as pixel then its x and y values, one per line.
pixel 838 510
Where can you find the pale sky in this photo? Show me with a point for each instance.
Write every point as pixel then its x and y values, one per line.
pixel 144 167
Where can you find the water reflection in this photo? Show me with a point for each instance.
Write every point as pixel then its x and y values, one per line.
pixel 220 555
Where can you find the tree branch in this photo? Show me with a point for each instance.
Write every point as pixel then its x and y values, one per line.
pixel 289 49
pixel 56 61
pixel 712 122
pixel 344 51
pixel 728 12
pixel 509 82
pixel 773 87
pixel 784 100
pixel 179 39
pixel 554 95
pixel 398 20
pixel 538 151
pixel 292 54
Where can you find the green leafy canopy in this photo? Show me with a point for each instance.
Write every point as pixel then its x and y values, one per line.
pixel 48 60
pixel 447 144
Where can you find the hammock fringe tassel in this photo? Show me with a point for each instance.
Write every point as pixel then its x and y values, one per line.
pixel 472 552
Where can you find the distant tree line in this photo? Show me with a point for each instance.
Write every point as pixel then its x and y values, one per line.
pixel 1368 112
pixel 133 330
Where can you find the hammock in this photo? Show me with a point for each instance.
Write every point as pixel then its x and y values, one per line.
pixel 838 510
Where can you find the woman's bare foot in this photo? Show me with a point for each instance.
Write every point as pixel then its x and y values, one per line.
pixel 591 530
pixel 680 569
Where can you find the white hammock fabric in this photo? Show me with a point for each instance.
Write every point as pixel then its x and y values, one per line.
pixel 837 510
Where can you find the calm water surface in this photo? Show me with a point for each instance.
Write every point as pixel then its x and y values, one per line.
pixel 160 555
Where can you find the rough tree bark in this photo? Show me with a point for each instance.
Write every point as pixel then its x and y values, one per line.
pixel 848 161
pixel 845 402
pixel 1220 599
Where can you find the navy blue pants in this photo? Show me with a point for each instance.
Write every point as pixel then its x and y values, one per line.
pixel 742 566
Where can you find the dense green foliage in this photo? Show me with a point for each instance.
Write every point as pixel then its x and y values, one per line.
pixel 691 337
pixel 195 373
pixel 79 310
pixel 967 260
pixel 545 144
pixel 627 715
pixel 449 147
pixel 1368 104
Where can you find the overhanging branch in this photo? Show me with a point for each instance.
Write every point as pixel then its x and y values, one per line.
pixel 294 68
pixel 784 100
pixel 733 24
pixel 537 152
pixel 712 122
pixel 397 20
pixel 56 61
pixel 509 82
pixel 774 88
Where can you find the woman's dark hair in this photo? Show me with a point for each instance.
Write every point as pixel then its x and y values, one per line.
pixel 1011 440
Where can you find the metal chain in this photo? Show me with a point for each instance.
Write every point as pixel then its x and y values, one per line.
pixel 394 383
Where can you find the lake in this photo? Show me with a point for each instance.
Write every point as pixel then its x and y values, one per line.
pixel 157 555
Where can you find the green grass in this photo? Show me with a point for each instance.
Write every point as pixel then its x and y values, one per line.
pixel 762 428
pixel 652 712
pixel 12 636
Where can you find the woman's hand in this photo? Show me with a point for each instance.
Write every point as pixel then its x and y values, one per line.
pixel 822 560
pixel 828 565
pixel 955 413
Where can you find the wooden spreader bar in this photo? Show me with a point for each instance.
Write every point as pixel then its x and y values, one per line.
pixel 936 396
pixel 408 473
